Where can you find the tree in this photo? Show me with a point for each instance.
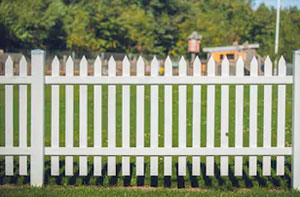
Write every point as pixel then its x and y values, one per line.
pixel 29 22
pixel 142 26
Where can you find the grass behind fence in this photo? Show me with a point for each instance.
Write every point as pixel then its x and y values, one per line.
pixel 174 181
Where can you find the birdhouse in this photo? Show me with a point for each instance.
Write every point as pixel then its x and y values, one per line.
pixel 194 42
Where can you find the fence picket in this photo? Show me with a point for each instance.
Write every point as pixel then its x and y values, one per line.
pixel 83 117
pixel 111 162
pixel 23 117
pixel 267 117
pixel 224 117
pixel 182 118
pixel 55 118
pixel 69 116
pixel 9 160
pixel 281 116
pixel 168 118
pixel 210 122
pixel 239 114
pixel 97 117
pixel 196 117
pixel 253 118
pixel 140 117
pixel 154 118
pixel 125 118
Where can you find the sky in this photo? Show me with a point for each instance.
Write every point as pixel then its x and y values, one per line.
pixel 283 3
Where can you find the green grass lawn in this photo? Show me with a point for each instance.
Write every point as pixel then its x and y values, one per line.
pixel 215 182
pixel 147 192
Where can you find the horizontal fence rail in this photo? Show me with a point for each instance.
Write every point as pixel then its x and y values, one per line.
pixel 176 80
pixel 110 149
pixel 174 151
pixel 136 80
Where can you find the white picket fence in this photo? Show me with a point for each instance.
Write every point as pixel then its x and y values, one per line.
pixel 37 151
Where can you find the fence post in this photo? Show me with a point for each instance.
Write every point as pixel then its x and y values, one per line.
pixel 296 123
pixel 37 117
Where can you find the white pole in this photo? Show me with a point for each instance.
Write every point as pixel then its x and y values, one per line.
pixel 277 35
pixel 277 26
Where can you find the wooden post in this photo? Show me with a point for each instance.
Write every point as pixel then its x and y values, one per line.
pixel 296 123
pixel 37 117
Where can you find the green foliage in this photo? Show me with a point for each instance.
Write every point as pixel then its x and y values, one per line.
pixel 30 22
pixel 141 26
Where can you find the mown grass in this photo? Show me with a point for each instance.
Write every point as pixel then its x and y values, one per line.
pixel 216 182
pixel 147 192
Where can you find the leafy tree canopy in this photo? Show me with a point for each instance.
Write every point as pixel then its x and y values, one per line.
pixel 142 26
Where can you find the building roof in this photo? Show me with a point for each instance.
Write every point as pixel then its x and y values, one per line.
pixel 230 48
pixel 195 36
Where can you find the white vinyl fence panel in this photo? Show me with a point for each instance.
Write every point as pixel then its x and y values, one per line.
pixel 37 150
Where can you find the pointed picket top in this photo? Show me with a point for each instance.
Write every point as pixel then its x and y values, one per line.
pixel 55 67
pixel 268 67
pixel 211 67
pixel 23 66
pixel 197 66
pixel 182 66
pixel 97 66
pixel 225 66
pixel 83 66
pixel 126 66
pixel 69 60
pixel 253 66
pixel 9 66
pixel 69 67
pixel 154 67
pixel 140 67
pixel 240 67
pixel 111 66
pixel 281 66
pixel 168 67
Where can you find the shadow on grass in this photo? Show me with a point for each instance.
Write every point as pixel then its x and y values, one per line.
pixel 194 181
pixel 127 179
pixel 216 181
pixel 141 179
pixel 180 179
pixel 154 181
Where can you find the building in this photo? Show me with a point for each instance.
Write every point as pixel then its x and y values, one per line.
pixel 246 51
